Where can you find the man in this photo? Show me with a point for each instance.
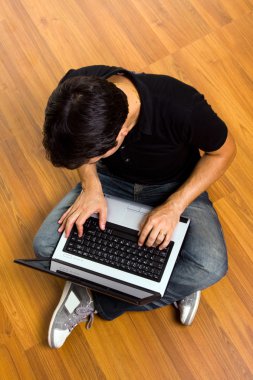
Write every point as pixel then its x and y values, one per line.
pixel 136 136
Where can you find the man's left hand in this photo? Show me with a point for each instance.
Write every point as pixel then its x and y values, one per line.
pixel 158 226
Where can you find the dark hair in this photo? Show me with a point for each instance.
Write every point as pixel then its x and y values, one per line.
pixel 83 118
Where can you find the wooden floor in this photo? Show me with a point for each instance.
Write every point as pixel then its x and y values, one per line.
pixel 206 43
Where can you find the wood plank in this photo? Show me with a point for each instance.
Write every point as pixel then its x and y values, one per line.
pixel 207 44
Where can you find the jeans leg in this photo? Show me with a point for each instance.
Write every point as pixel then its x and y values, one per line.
pixel 203 258
pixel 47 236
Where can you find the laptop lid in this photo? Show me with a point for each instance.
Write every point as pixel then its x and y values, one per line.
pixel 105 285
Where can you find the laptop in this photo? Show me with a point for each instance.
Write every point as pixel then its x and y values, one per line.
pixel 110 261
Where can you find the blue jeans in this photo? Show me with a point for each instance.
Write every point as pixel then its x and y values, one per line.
pixel 203 258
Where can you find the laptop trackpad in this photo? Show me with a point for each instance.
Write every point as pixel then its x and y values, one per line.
pixel 128 215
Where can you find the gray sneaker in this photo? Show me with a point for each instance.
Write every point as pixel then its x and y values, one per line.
pixel 188 307
pixel 76 305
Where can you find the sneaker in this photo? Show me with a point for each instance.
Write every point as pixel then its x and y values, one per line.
pixel 76 305
pixel 188 307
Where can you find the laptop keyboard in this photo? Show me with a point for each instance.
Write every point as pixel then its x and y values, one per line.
pixel 117 247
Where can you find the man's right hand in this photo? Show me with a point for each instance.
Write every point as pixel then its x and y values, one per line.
pixel 87 203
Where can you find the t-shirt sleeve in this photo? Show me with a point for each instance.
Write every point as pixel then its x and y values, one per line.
pixel 206 130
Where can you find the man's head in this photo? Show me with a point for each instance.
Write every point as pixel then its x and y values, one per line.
pixel 83 117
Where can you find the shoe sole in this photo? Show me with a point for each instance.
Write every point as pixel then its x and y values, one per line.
pixel 191 316
pixel 64 294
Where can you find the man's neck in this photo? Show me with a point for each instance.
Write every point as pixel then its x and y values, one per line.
pixel 133 99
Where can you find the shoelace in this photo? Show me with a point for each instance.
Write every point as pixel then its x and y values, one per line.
pixel 80 315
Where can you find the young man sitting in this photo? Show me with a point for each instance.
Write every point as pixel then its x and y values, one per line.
pixel 137 136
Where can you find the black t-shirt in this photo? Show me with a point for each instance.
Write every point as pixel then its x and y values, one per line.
pixel 175 121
